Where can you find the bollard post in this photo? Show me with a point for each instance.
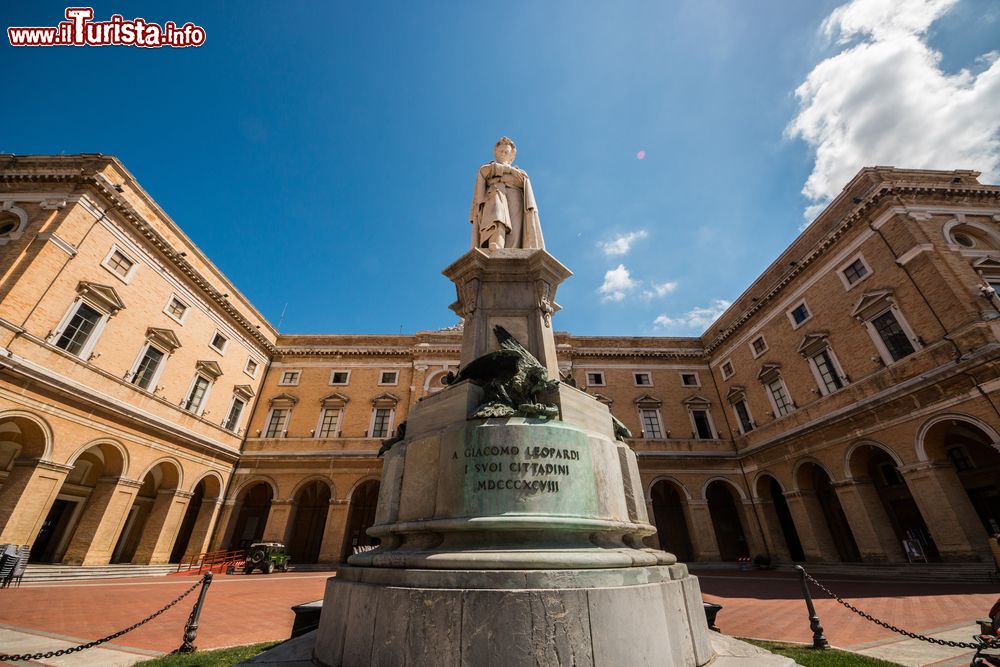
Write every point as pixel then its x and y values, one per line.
pixel 819 641
pixel 191 629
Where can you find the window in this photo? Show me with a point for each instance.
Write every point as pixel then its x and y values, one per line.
pixel 251 368
pixel 642 379
pixel 120 264
pixel 743 414
pixel 690 380
pixel 233 418
pixel 80 330
pixel 960 458
pixel 727 370
pixel 277 423
pixel 799 314
pixel 855 271
pixel 595 379
pixel 145 373
pixel 779 397
pixel 9 223
pixel 176 309
pixel 380 422
pixel 195 400
pixel 829 378
pixel 702 425
pixel 896 342
pixel 650 423
pixel 328 423
pixel 964 240
pixel 758 346
pixel 290 378
pixel 340 377
pixel 218 343
pixel 388 377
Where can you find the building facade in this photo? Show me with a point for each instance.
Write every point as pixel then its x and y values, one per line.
pixel 844 408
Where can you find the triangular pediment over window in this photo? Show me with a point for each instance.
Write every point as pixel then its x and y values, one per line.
pixel 769 373
pixel 334 400
pixel 604 399
pixel 210 368
pixel 813 343
pixel 647 401
pixel 987 264
pixel 103 296
pixel 243 391
pixel 871 303
pixel 163 338
pixel 284 400
pixel 385 401
pixel 697 402
pixel 736 393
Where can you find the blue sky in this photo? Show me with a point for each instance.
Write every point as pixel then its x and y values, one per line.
pixel 323 154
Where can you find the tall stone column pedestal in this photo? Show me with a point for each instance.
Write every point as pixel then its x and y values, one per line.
pixel 622 616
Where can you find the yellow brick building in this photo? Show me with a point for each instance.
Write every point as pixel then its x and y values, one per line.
pixel 843 409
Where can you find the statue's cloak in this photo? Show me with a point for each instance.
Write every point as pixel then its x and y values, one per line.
pixel 492 203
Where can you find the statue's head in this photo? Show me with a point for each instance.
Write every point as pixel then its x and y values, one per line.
pixel 504 151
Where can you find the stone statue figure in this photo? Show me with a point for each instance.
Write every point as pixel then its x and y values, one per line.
pixel 504 213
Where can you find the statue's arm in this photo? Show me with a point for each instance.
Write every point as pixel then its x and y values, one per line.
pixel 478 196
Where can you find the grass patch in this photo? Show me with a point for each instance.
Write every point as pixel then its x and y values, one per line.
pixel 220 657
pixel 810 657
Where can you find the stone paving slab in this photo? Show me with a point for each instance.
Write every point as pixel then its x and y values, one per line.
pixel 15 641
pixel 916 653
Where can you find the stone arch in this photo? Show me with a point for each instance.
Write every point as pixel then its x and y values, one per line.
pixel 247 483
pixel 308 517
pixel 252 506
pixel 213 490
pixel 981 229
pixel 27 424
pixel 434 377
pixel 778 523
pixel 314 478
pixel 362 501
pixel 359 482
pixel 672 480
pixel 850 471
pixel 176 479
pixel 797 479
pixel 152 522
pixel 118 461
pixel 741 494
pixel 821 507
pixel 925 428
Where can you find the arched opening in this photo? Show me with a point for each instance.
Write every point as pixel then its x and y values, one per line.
pixel 871 462
pixel 193 533
pixel 139 540
pixel 22 444
pixel 973 455
pixel 361 517
pixel 187 523
pixel 311 507
pixel 671 524
pixel 86 492
pixel 778 517
pixel 815 484
pixel 725 515
pixel 254 504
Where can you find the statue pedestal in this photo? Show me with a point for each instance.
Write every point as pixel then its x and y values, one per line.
pixel 512 287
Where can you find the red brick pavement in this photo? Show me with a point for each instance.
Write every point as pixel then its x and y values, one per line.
pixel 243 610
pixel 769 605
pixel 239 609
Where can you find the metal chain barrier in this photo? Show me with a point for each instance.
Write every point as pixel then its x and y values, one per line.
pixel 103 640
pixel 985 642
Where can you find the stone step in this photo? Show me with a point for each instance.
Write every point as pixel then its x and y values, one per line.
pixel 37 572
pixel 949 572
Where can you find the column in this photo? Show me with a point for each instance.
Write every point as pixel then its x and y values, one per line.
pixel 870 523
pixel 161 527
pixel 204 524
pixel 947 510
pixel 102 521
pixel 26 498
pixel 810 523
pixel 702 531
pixel 223 527
pixel 333 532
pixel 277 521
pixel 771 526
pixel 752 528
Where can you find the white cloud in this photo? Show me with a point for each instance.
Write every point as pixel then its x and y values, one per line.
pixel 621 244
pixel 884 100
pixel 617 284
pixel 657 290
pixel 699 317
